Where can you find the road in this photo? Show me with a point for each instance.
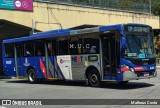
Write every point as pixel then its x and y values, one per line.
pixel 137 89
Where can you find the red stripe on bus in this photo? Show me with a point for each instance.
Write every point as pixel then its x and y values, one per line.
pixel 43 68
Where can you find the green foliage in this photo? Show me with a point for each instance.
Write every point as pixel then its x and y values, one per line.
pixel 130 5
pixel 156 7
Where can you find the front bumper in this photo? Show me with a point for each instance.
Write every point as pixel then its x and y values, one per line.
pixel 133 76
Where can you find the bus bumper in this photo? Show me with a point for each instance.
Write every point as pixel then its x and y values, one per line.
pixel 133 76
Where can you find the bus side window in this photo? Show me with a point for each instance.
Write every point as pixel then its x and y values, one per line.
pixel 91 46
pixel 9 50
pixel 29 49
pixel 39 48
pixel 63 47
pixel 75 45
pixel 52 48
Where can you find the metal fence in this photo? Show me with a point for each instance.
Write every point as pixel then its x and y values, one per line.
pixel 139 7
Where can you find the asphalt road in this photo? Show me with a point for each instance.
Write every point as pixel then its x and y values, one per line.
pixel 137 89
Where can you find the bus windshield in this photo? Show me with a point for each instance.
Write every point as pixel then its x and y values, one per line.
pixel 139 45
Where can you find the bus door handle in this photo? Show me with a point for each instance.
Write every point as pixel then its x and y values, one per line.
pixel 66 66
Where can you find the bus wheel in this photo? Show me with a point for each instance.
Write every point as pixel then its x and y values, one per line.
pixel 94 78
pixel 32 76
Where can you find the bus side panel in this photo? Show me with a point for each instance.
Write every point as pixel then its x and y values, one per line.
pixel 38 63
pixel 64 67
pixel 52 67
pixel 9 66
pixel 80 63
pixel 120 76
pixel 40 67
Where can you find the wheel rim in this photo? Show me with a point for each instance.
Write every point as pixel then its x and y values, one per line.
pixel 94 78
pixel 31 76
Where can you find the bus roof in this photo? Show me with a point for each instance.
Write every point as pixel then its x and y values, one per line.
pixel 66 32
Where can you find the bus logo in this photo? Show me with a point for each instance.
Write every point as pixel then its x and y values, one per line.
pixel 6 102
pixel 61 61
pixel 77 59
pixel 26 62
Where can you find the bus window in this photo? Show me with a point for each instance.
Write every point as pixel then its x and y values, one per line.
pixel 63 47
pixel 51 45
pixel 29 49
pixel 20 49
pixel 39 48
pixel 90 46
pixel 9 50
pixel 75 45
pixel 50 49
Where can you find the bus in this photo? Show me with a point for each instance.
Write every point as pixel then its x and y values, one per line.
pixel 119 53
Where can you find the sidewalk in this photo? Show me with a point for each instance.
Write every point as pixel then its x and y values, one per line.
pixel 158 65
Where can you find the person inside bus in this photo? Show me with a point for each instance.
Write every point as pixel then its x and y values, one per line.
pixel 92 50
pixel 28 53
pixel 39 53
pixel 50 49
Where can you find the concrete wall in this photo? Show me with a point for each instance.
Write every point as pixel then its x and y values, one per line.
pixel 46 15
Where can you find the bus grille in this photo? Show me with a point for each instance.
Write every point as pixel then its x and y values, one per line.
pixel 141 73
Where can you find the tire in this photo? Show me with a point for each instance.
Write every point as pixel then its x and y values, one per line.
pixel 94 78
pixel 32 76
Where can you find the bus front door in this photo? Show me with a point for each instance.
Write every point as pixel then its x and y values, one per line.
pixel 18 58
pixel 110 53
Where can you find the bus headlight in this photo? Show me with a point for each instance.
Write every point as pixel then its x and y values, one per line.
pixel 132 70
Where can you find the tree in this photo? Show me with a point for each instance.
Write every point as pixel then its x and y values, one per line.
pixel 156 7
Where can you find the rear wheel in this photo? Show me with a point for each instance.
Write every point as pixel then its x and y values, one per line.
pixel 32 76
pixel 94 78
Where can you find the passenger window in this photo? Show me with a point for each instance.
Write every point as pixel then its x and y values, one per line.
pixel 90 44
pixel 20 49
pixel 39 48
pixel 63 47
pixel 29 49
pixel 75 45
pixel 9 50
pixel 51 46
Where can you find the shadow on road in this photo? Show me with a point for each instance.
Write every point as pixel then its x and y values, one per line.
pixel 130 85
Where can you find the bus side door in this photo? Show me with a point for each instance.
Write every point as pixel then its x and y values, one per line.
pixel 51 61
pixel 110 53
pixel 19 55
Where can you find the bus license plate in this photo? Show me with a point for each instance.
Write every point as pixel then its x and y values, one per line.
pixel 146 74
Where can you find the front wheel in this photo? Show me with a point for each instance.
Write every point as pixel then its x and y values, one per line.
pixel 94 78
pixel 32 76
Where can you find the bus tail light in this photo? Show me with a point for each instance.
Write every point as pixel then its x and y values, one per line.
pixel 124 69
